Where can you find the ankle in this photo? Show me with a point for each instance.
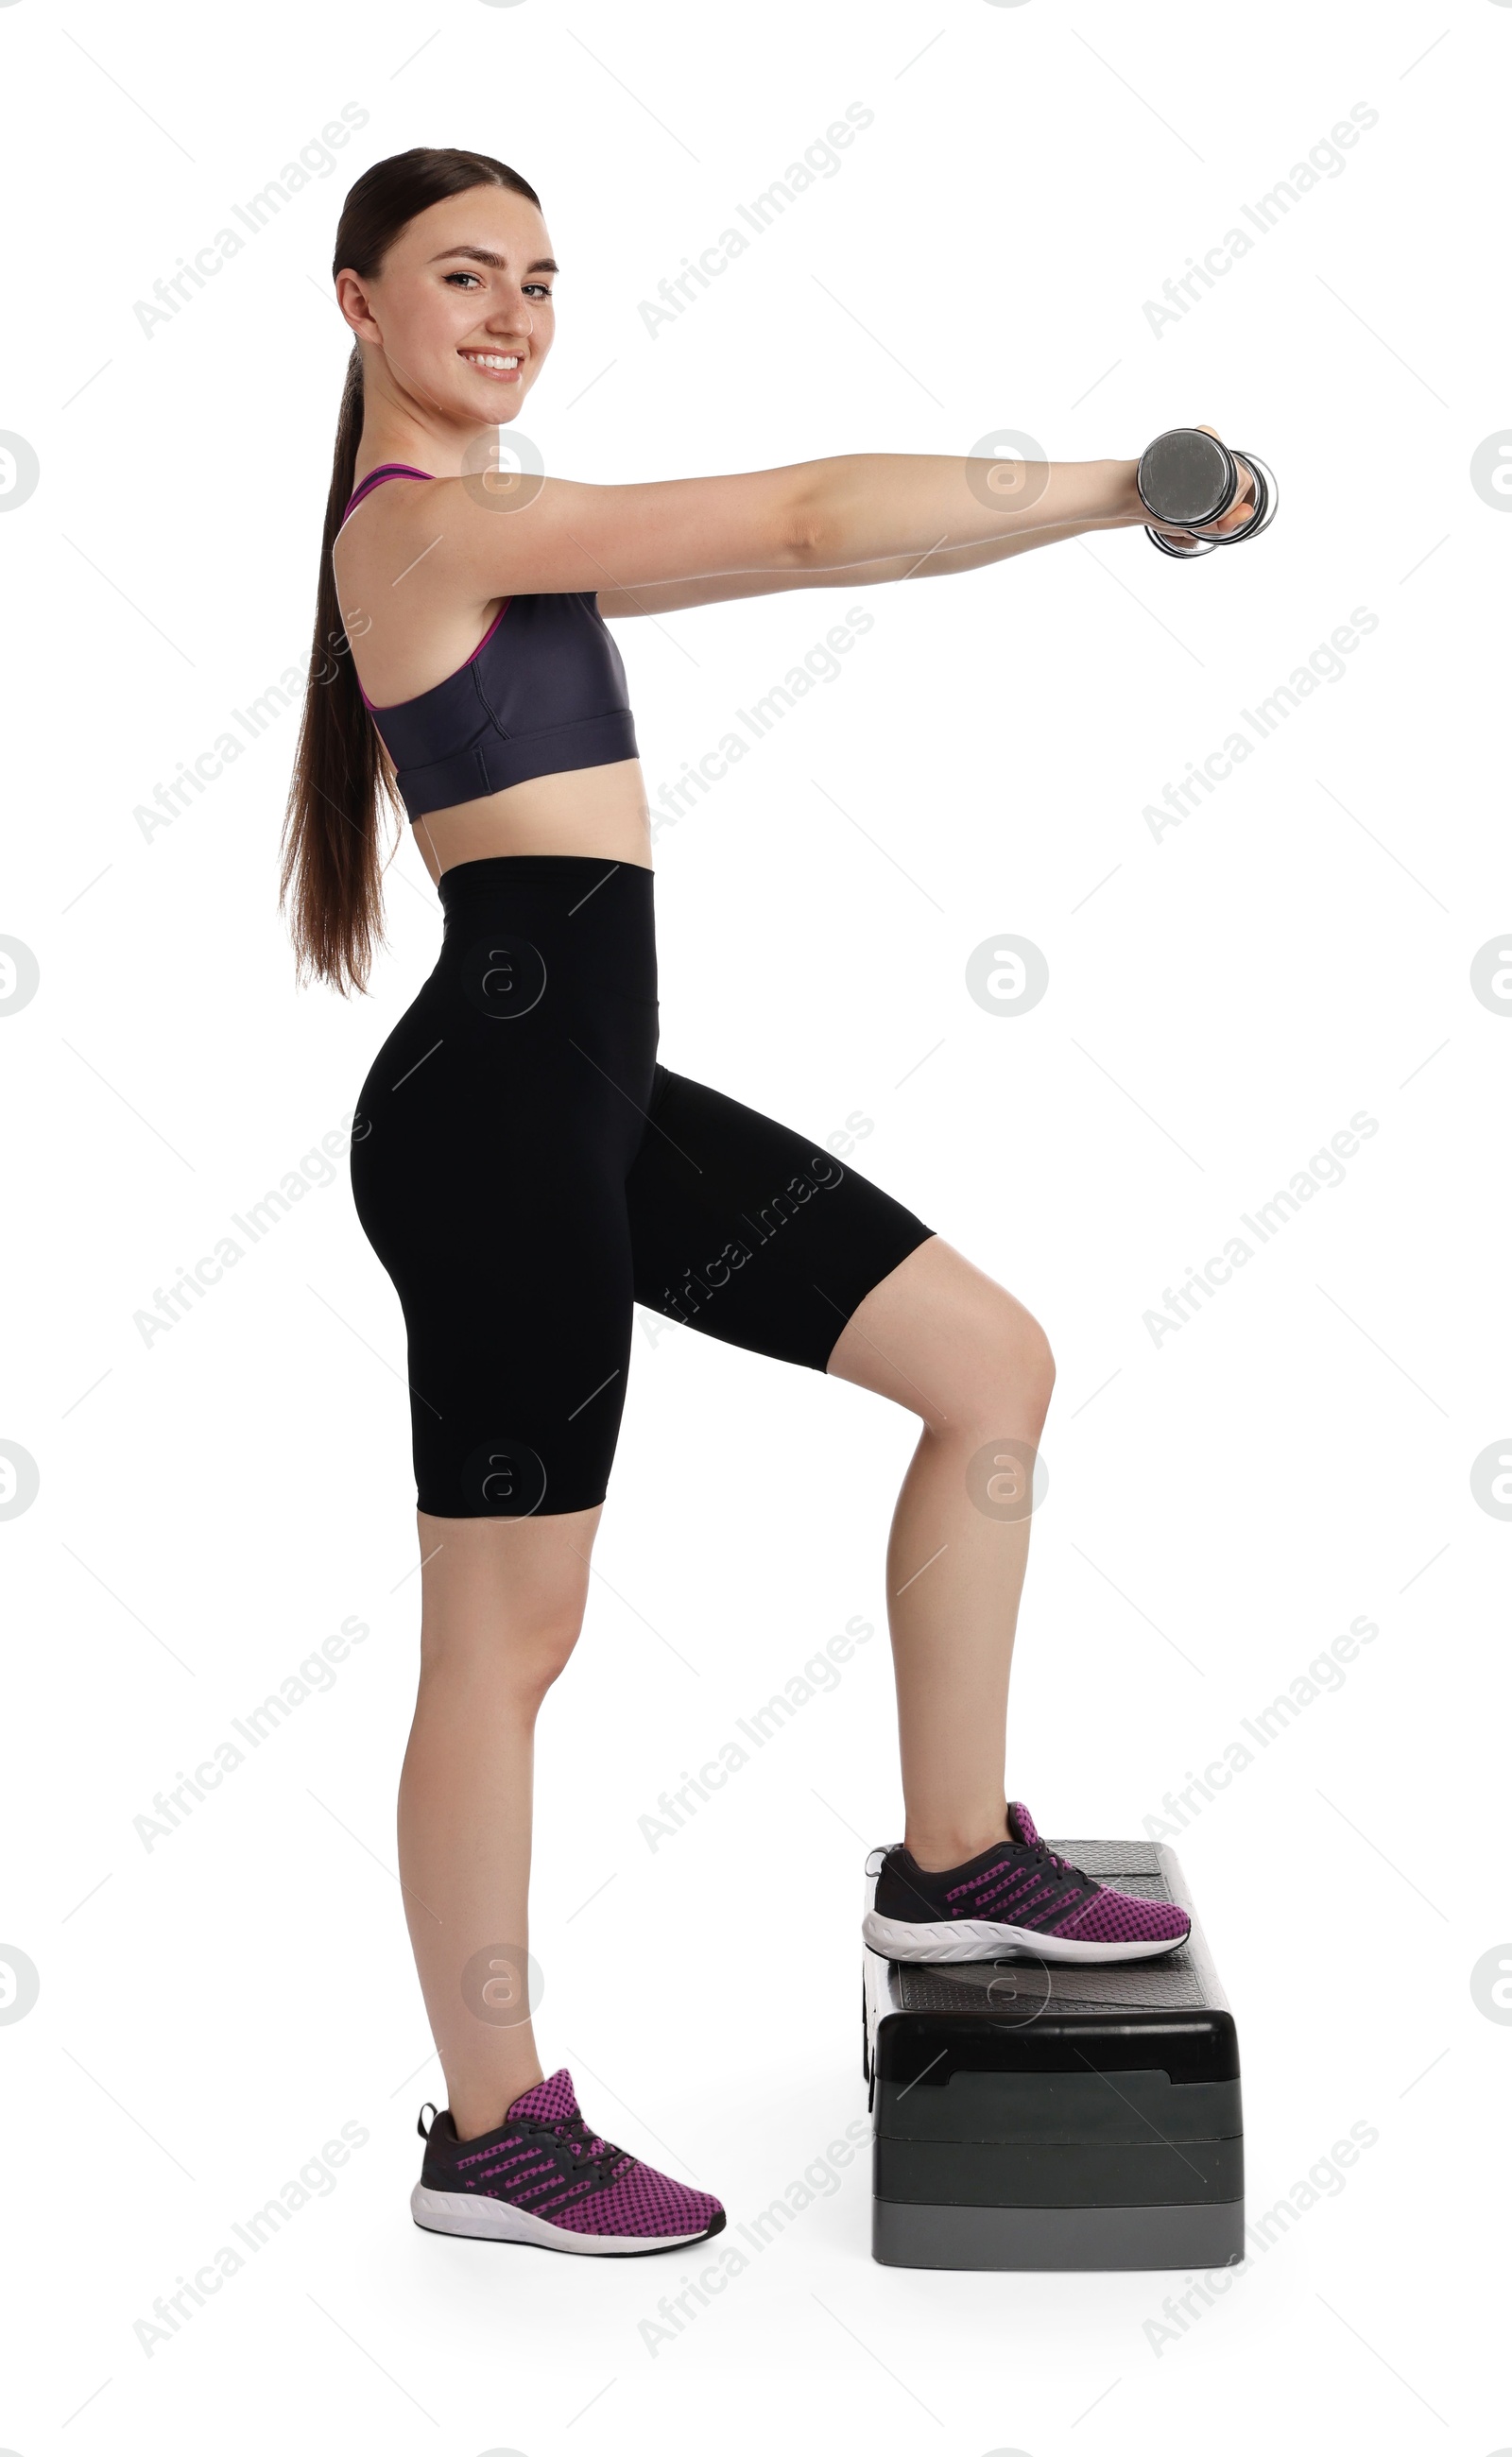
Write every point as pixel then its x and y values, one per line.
pixel 949 1845
pixel 483 2108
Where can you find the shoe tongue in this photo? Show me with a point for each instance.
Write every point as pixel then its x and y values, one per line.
pixel 549 2102
pixel 1020 1824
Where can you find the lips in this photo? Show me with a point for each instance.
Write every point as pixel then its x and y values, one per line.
pixel 503 366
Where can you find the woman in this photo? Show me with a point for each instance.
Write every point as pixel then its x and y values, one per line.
pixel 527 1170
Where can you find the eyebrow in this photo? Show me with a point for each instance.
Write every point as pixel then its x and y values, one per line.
pixel 486 256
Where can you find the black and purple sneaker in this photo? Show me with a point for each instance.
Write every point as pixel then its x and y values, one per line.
pixel 1017 1898
pixel 541 2178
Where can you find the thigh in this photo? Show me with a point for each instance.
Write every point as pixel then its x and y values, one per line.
pixel 488 1166
pixel 750 1231
pixel 518 1344
pixel 941 1336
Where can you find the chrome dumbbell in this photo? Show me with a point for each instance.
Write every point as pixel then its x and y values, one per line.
pixel 1188 479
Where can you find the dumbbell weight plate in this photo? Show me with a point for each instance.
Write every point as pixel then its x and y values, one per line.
pixel 1186 478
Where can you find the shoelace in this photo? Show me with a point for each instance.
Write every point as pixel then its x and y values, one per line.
pixel 1053 1859
pixel 593 2151
pixel 1046 1859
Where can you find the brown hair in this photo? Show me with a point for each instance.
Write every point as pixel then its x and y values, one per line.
pixel 330 831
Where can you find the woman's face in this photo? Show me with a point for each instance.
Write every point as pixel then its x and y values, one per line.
pixel 462 309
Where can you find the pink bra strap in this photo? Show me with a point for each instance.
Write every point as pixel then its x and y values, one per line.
pixel 385 470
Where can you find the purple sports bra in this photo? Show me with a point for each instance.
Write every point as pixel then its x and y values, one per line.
pixel 542 691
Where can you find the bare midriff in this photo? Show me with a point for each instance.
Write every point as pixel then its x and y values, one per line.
pixel 598 811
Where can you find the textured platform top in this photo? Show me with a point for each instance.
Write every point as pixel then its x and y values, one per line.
pixel 1029 2016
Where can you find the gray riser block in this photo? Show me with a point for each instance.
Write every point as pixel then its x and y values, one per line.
pixel 1067 2174
pixel 909 2235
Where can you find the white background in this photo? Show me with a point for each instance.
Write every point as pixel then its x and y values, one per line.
pixel 1221 1001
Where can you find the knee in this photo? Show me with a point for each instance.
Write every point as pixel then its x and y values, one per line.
pixel 507 1657
pixel 1009 1367
pixel 533 1660
pixel 1039 1366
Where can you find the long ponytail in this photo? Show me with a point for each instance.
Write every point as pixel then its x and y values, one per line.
pixel 331 877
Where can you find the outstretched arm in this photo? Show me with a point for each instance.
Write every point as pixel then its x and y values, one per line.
pixel 1114 505
pixel 669 596
pixel 789 523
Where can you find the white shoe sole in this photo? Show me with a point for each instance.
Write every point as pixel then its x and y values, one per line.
pixel 987 1941
pixel 493 2221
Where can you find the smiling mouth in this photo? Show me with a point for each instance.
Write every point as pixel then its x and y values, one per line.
pixel 502 366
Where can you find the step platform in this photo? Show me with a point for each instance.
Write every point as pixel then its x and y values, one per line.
pixel 1044 2115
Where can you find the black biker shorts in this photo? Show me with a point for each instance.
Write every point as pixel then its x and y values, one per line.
pixel 527 1171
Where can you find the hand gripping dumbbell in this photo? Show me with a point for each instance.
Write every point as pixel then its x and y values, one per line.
pixel 1187 479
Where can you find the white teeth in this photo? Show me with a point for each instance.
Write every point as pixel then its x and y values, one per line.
pixel 483 358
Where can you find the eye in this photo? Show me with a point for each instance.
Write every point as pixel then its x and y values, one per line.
pixel 542 289
pixel 459 277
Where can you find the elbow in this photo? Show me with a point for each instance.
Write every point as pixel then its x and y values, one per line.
pixel 808 530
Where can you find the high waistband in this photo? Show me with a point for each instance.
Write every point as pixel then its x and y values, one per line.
pixel 588 921
pixel 465 881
